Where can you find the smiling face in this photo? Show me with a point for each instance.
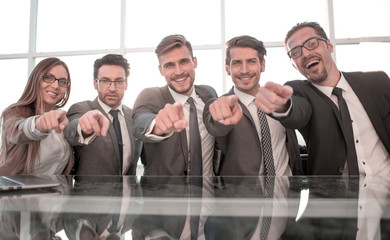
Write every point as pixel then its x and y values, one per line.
pixel 317 64
pixel 245 69
pixel 112 95
pixel 52 93
pixel 178 68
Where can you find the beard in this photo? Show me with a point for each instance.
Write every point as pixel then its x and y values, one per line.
pixel 316 78
pixel 182 89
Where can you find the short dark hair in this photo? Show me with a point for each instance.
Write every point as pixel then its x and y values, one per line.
pixel 111 59
pixel 170 42
pixel 246 42
pixel 317 28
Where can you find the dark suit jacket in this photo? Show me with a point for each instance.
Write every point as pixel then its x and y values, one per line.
pixel 240 144
pixel 316 117
pixel 168 157
pixel 101 156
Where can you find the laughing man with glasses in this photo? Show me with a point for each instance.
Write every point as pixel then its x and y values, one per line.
pixel 344 117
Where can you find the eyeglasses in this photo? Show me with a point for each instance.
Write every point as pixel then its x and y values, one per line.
pixel 107 83
pixel 309 44
pixel 62 82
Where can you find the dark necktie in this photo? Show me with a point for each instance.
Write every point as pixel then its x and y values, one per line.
pixel 117 127
pixel 114 224
pixel 353 168
pixel 195 142
pixel 266 144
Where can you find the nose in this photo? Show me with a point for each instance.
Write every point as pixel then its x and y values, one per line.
pixel 112 86
pixel 244 68
pixel 54 84
pixel 178 69
pixel 304 51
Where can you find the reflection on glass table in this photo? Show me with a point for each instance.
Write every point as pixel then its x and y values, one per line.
pixel 116 207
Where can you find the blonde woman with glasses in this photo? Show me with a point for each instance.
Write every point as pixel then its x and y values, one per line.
pixel 32 128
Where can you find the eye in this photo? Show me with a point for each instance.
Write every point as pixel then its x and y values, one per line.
pixel 311 43
pixel 295 51
pixel 252 60
pixel 47 77
pixel 184 61
pixel 168 65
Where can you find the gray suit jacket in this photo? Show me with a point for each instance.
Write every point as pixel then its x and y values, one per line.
pixel 170 156
pixel 317 119
pixel 101 156
pixel 240 145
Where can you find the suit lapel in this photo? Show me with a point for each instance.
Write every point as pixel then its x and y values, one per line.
pixel 369 105
pixel 111 130
pixel 128 120
pixel 182 135
pixel 330 103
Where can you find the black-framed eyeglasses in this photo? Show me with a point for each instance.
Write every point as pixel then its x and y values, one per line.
pixel 62 82
pixel 309 44
pixel 105 83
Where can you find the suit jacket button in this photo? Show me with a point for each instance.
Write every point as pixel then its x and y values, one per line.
pixel 185 172
pixel 255 168
pixel 341 169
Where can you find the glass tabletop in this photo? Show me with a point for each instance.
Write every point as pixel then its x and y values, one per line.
pixel 151 207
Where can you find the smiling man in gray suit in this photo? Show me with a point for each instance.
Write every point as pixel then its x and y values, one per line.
pixel 102 146
pixel 161 115
pixel 234 119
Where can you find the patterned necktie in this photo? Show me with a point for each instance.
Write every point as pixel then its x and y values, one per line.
pixel 353 168
pixel 267 207
pixel 117 127
pixel 266 144
pixel 195 142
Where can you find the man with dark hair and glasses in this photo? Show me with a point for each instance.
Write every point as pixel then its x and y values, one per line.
pixel 344 117
pixel 100 130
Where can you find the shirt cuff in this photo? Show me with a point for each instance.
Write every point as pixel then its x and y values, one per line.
pixel 86 140
pixel 153 137
pixel 31 132
pixel 285 114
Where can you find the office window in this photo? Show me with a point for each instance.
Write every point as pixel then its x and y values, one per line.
pixel 14 26
pixel 361 18
pixel 148 21
pixel 364 57
pixel 14 79
pixel 78 25
pixel 270 20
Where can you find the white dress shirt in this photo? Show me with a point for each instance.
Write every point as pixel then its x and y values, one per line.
pixel 373 158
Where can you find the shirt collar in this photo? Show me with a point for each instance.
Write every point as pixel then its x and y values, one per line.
pixel 246 99
pixel 181 98
pixel 343 84
pixel 107 108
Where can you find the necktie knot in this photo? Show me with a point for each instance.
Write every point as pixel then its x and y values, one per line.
pixel 114 113
pixel 338 92
pixel 190 100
